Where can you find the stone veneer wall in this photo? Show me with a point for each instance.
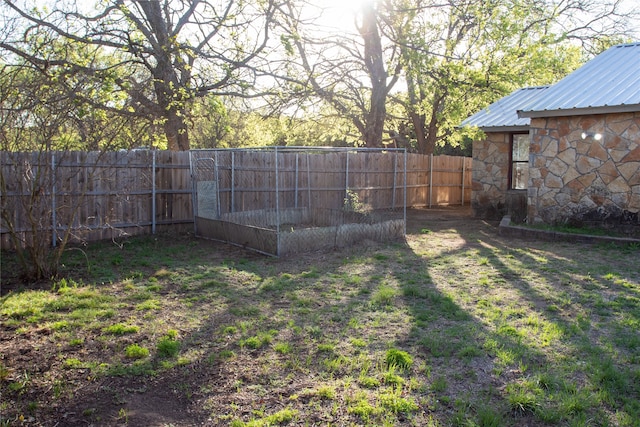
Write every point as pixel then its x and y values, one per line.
pixel 490 175
pixel 585 182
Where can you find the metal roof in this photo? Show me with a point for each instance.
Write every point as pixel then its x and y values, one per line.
pixel 609 83
pixel 502 115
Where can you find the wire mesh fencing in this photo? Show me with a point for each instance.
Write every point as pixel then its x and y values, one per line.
pixel 283 200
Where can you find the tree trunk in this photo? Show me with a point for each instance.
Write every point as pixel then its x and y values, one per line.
pixel 432 130
pixel 374 61
pixel 175 130
pixel 375 120
pixel 419 120
pixel 166 83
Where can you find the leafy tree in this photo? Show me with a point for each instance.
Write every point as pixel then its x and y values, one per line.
pixel 460 55
pixel 47 111
pixel 39 114
pixel 455 56
pixel 165 53
pixel 253 129
pixel 353 73
pixel 210 122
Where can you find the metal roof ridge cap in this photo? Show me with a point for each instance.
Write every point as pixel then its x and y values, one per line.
pixel 578 111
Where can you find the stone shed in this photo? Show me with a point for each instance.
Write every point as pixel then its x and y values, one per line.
pixel 567 153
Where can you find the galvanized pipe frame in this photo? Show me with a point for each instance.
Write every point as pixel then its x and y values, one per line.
pixel 277 187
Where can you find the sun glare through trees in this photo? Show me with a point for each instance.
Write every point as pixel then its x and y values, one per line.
pixel 389 71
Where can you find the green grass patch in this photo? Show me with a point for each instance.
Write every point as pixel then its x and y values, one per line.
pixel 120 329
pixel 384 296
pixel 393 401
pixel 135 351
pixel 398 359
pixel 454 327
pixel 168 347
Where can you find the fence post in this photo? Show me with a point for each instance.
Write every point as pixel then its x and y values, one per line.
pixel 217 178
pixel 463 177
pixel 395 173
pixel 153 192
pixel 277 205
pixel 308 183
pixel 194 204
pixel 233 181
pixel 54 231
pixel 404 202
pixel 346 176
pixel 430 179
pixel 296 184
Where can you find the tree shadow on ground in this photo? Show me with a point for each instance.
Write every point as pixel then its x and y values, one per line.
pixel 534 337
pixel 491 337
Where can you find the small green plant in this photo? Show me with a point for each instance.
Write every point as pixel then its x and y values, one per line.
pixel 4 372
pixel 168 347
pixel 439 385
pixel 283 416
pixel 393 401
pixel 368 382
pixel 326 348
pixel 522 397
pixel 245 311
pixel 150 304
pixel 469 352
pixel 230 330
pixel 226 354
pixel 384 296
pixel 123 416
pixel 134 351
pixel 120 329
pixel 257 341
pixel 252 342
pixel 360 406
pixel 73 363
pixel 283 348
pixel 76 342
pixel 326 392
pixel 489 417
pixel 60 325
pixel 161 273
pixel 315 332
pixel 390 377
pixel 63 285
pixel 358 342
pixel 398 359
pixel 352 203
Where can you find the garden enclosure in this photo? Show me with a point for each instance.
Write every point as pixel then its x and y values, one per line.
pixel 285 200
pixel 111 195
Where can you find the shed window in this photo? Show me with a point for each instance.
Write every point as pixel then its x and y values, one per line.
pixel 519 161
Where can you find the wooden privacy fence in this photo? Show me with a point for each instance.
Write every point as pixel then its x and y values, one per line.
pixel 108 195
pixel 93 195
pixel 438 180
pixel 293 177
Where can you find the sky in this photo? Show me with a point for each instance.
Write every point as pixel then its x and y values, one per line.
pixel 340 13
